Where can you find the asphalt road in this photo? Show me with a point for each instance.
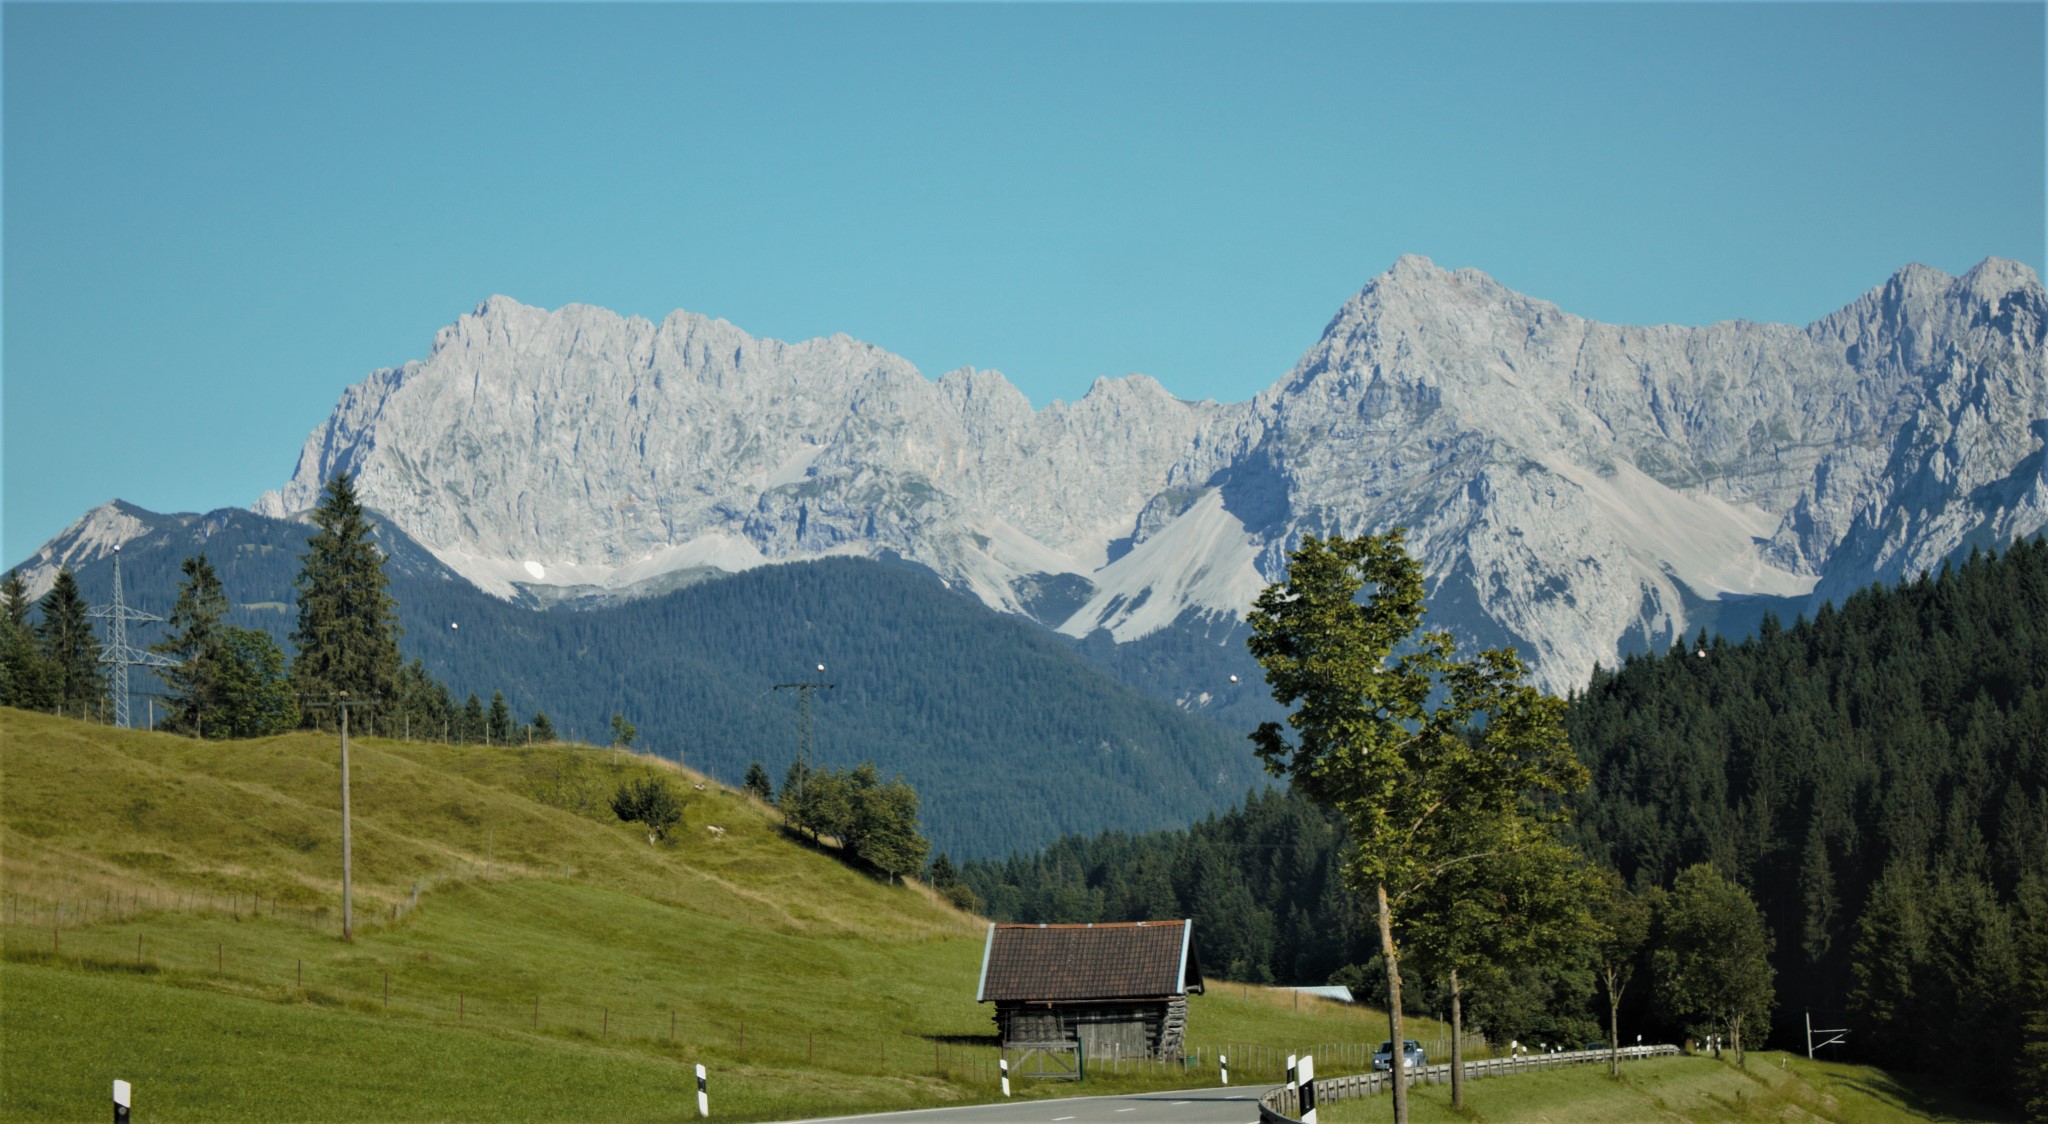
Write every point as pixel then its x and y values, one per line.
pixel 1237 1104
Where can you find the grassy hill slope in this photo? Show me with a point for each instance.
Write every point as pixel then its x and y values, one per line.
pixel 170 914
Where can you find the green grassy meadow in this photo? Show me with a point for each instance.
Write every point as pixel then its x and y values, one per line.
pixel 1774 1086
pixel 170 913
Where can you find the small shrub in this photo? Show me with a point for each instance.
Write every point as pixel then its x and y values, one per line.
pixel 650 801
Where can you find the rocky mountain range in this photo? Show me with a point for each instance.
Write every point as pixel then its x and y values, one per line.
pixel 1575 488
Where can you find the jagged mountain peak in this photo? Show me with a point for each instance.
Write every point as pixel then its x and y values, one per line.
pixel 1574 487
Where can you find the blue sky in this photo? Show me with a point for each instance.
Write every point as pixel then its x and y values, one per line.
pixel 218 216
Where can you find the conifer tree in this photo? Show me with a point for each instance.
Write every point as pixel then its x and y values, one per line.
pixel 758 785
pixel 500 721
pixel 26 679
pixel 474 728
pixel 422 709
pixel 2032 996
pixel 543 727
pixel 196 643
pixel 71 649
pixel 347 635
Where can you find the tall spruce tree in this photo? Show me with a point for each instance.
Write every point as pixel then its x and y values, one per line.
pixel 196 643
pixel 474 728
pixel 347 635
pixel 499 723
pixel 72 649
pixel 26 679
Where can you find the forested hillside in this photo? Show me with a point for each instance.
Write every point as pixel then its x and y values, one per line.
pixel 1878 778
pixel 1260 881
pixel 1009 736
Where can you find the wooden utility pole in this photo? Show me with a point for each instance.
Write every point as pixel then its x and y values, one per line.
pixel 342 703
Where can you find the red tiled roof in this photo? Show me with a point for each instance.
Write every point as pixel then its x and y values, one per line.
pixel 1127 960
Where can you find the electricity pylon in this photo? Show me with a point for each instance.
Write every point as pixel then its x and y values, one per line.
pixel 118 651
pixel 803 727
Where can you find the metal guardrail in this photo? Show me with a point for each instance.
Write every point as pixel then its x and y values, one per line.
pixel 1279 1105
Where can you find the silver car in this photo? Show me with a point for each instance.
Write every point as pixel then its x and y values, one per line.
pixel 1412 1056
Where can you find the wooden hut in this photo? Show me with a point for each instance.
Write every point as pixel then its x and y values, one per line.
pixel 1116 990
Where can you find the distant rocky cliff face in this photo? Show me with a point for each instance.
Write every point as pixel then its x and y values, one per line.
pixel 1573 487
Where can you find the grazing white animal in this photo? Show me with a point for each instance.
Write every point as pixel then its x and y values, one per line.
pixel 715 830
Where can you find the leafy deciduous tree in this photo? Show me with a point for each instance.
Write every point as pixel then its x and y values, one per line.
pixel 650 801
pixel 1491 916
pixel 1712 954
pixel 253 697
pixel 1621 929
pixel 1431 760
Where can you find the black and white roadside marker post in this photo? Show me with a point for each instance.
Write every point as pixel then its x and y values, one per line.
pixel 1307 1098
pixel 1223 1063
pixel 703 1097
pixel 121 1102
pixel 1006 1076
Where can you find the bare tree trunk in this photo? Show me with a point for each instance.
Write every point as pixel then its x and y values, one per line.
pixel 1735 1038
pixel 1613 1024
pixel 1457 1043
pixel 1397 1065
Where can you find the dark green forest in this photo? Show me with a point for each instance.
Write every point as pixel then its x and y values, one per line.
pixel 1008 735
pixel 1876 778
